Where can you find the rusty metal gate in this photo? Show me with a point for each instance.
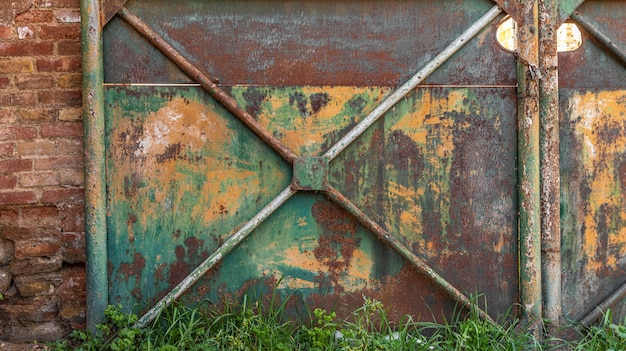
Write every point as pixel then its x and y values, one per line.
pixel 342 149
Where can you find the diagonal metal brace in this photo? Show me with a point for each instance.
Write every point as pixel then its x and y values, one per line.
pixel 403 251
pixel 207 84
pixel 410 84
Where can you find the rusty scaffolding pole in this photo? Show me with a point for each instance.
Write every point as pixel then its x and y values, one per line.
pixel 549 164
pixel 528 74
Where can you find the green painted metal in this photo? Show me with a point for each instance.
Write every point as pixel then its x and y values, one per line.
pixel 566 8
pixel 550 165
pixel 95 185
pixel 310 173
pixel 529 167
pixel 599 35
pixel 202 203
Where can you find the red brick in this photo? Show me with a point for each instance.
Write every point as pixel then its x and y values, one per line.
pixel 63 64
pixel 35 16
pixel 17 197
pixel 38 179
pixel 58 3
pixel 38 147
pixel 34 82
pixel 25 32
pixel 71 178
pixel 69 47
pixel 26 49
pixel 61 97
pixel 7 115
pixel 36 248
pixel 29 277
pixel 15 233
pixel 59 32
pixel 62 195
pixel 59 162
pixel 8 181
pixel 7 149
pixel 70 80
pixel 72 217
pixel 67 16
pixel 11 166
pixel 20 65
pixel 70 114
pixel 73 247
pixel 69 146
pixel 38 309
pixel 16 132
pixel 42 215
pixel 65 129
pixel 4 82
pixel 17 99
pixel 8 218
pixel 6 32
pixel 39 114
pixel 74 285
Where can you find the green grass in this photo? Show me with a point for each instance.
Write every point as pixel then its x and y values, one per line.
pixel 250 325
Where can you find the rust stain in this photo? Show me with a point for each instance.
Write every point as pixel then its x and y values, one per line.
pixel 315 113
pixel 601 127
pixel 337 242
pixel 187 258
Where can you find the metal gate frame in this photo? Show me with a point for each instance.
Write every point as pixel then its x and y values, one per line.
pixel 538 157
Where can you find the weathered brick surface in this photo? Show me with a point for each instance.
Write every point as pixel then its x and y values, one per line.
pixel 42 240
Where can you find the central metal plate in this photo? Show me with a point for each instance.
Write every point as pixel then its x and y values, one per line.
pixel 310 173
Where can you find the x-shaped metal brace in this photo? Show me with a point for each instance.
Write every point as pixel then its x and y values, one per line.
pixel 309 173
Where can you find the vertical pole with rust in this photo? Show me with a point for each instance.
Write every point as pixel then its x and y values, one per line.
pixel 550 163
pixel 528 148
pixel 95 194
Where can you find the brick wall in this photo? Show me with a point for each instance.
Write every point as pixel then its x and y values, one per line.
pixel 42 250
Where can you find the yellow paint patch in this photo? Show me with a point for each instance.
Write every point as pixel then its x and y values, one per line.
pixel 306 134
pixel 592 113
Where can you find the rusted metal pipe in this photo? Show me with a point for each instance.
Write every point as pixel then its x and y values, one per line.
pixel 216 256
pixel 609 302
pixel 528 75
pixel 95 182
pixel 550 164
pixel 401 92
pixel 601 37
pixel 407 254
pixel 207 84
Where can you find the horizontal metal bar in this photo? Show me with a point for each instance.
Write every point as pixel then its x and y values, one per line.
pixel 393 99
pixel 273 86
pixel 152 85
pixel 216 256
pixel 609 302
pixel 398 247
pixel 601 37
pixel 208 84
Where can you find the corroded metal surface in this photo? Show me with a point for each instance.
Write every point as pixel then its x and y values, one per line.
pixel 308 120
pixel 528 140
pixel 593 192
pixel 549 164
pixel 300 162
pixel 296 44
pixel 593 189
pixel 95 185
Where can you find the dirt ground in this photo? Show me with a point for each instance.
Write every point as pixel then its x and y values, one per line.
pixel 7 346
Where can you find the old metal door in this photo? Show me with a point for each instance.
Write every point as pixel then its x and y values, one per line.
pixel 592 84
pixel 340 150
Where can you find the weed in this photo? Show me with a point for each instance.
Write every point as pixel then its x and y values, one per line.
pixel 260 324
pixel 607 336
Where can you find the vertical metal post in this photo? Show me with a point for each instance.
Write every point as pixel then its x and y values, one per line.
pixel 95 183
pixel 528 149
pixel 550 164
